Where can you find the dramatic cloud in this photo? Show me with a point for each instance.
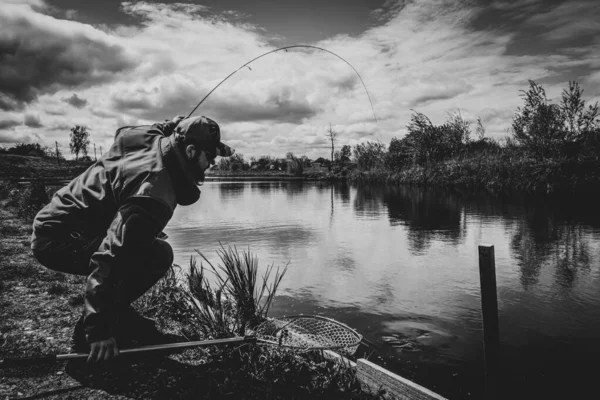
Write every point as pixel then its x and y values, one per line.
pixel 570 20
pixel 40 54
pixel 32 121
pixel 75 101
pixel 8 124
pixel 433 56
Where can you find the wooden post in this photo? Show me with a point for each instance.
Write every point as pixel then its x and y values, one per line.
pixel 489 313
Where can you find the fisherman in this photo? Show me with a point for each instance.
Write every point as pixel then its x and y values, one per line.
pixel 107 224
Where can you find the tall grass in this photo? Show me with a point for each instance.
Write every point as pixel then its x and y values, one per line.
pixel 236 299
pixel 238 294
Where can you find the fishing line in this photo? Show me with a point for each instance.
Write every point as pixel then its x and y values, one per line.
pixel 285 48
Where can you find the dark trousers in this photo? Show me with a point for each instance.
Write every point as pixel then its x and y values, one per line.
pixel 71 253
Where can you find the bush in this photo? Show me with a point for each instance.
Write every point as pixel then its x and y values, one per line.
pixel 369 155
pixel 32 199
pixel 555 130
pixel 238 301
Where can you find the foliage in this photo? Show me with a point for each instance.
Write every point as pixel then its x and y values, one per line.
pixel 369 155
pixel 294 165
pixel 399 154
pixel 345 153
pixel 80 140
pixel 30 149
pixel 32 199
pixel 426 143
pixel 239 301
pixel 479 129
pixel 550 131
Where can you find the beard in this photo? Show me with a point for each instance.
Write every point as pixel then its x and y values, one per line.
pixel 197 172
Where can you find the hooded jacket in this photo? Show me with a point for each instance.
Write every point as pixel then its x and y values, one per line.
pixel 127 197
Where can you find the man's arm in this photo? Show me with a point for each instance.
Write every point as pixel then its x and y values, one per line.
pixel 131 233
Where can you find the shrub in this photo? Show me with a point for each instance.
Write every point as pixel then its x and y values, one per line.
pixel 32 199
pixel 369 155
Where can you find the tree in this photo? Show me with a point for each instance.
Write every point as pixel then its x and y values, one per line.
pixel 332 136
pixel 80 140
pixel 369 155
pixel 345 153
pixel 578 120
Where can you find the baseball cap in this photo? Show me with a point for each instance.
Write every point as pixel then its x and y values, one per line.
pixel 205 133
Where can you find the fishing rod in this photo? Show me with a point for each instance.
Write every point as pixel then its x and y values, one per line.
pixel 286 49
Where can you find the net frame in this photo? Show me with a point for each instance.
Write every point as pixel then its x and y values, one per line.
pixel 308 332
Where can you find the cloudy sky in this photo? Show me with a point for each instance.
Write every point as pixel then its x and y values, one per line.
pixel 109 63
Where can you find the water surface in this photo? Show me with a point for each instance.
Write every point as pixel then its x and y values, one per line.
pixel 400 265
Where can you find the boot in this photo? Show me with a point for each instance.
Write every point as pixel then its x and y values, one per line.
pixel 79 344
pixel 139 330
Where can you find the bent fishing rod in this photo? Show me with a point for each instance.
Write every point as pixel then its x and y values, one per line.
pixel 246 65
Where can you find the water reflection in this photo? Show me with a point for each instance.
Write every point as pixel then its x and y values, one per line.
pixel 429 214
pixel 547 236
pixel 231 189
pixel 341 191
pixel 404 261
pixel 368 201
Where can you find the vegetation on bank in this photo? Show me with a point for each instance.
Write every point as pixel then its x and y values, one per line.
pixel 40 308
pixel 553 146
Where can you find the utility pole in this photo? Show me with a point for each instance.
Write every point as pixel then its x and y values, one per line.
pixel 95 158
pixel 57 154
pixel 101 151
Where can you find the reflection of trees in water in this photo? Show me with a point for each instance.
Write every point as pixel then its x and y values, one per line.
pixel 293 188
pixel 546 235
pixel 428 213
pixel 265 188
pixel 231 189
pixel 368 200
pixel 341 191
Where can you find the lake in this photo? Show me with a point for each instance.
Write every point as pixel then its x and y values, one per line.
pixel 400 265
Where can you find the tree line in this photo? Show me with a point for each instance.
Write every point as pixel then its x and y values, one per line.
pixel 540 130
pixel 79 144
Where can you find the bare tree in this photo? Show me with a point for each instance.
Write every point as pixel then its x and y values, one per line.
pixel 332 136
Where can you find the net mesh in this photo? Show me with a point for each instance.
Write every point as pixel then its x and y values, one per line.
pixel 309 332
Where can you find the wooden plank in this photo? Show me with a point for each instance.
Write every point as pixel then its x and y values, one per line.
pixel 375 378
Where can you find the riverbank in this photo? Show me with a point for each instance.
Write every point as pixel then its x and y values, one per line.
pixel 17 168
pixel 495 173
pixel 40 307
pixel 489 172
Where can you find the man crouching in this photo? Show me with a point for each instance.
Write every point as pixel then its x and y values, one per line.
pixel 107 224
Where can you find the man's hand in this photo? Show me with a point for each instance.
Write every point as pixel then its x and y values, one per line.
pixel 103 350
pixel 178 119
